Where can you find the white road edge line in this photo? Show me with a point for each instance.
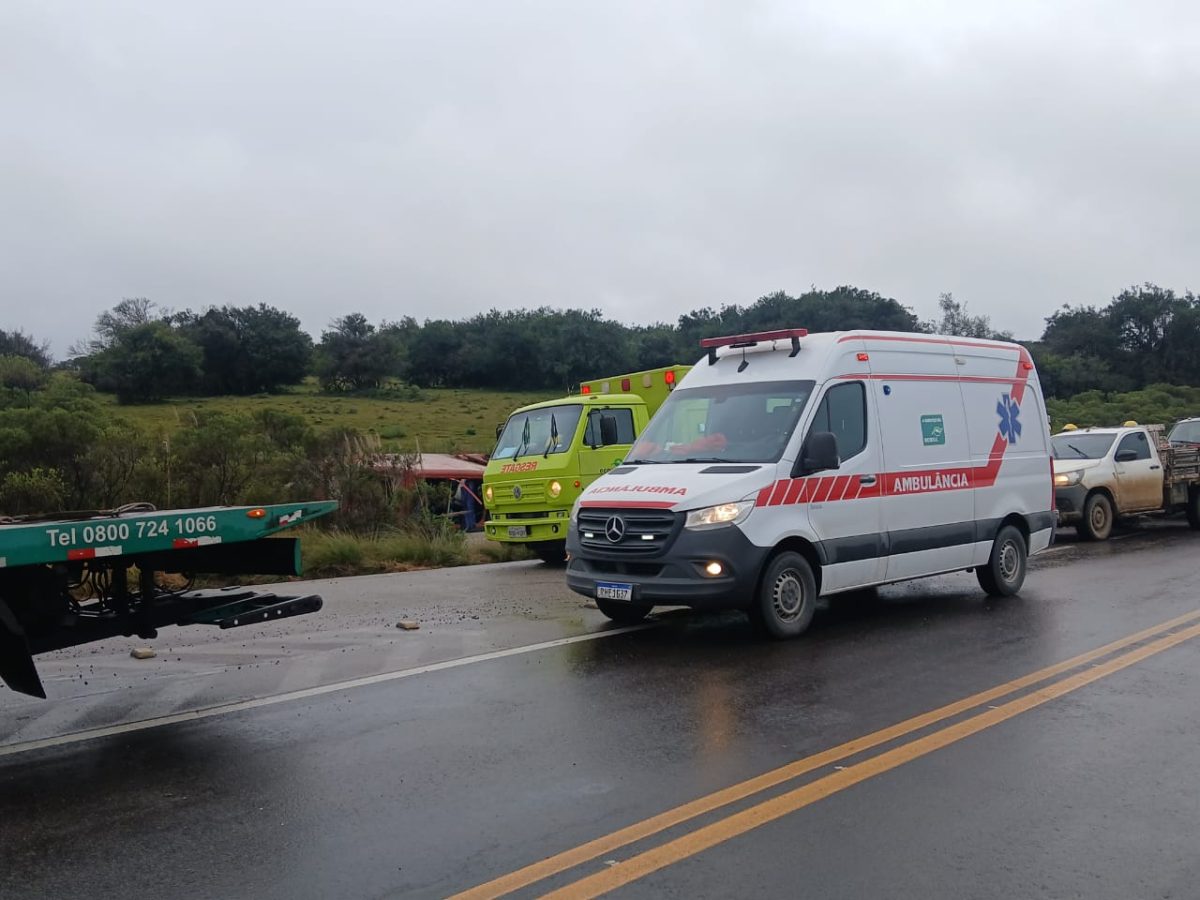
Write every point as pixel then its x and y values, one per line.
pixel 225 708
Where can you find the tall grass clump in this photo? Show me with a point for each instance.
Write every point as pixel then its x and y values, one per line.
pixel 332 553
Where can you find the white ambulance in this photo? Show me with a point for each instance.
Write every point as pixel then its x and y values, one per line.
pixel 789 465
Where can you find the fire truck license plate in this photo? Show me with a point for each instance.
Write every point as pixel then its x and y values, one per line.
pixel 518 531
pixel 607 590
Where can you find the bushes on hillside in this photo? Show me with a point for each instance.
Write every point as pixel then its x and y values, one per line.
pixel 60 448
pixel 1158 404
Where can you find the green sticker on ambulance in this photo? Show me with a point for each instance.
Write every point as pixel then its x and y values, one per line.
pixel 933 430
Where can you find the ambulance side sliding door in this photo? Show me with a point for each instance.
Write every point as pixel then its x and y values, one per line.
pixel 928 504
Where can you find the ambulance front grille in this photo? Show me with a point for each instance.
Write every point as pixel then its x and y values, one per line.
pixel 626 532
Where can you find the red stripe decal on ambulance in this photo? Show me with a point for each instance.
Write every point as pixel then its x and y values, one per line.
pixel 777 494
pixel 847 487
pixel 821 491
pixel 795 486
pixel 842 487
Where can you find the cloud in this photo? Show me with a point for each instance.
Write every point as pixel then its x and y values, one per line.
pixel 438 159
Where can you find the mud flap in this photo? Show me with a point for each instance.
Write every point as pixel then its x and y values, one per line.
pixel 16 662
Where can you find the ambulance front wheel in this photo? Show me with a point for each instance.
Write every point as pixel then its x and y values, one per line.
pixel 623 613
pixel 787 597
pixel 1005 570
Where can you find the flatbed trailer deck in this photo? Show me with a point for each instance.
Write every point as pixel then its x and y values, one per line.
pixel 79 577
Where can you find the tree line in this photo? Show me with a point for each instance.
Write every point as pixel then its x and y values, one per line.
pixel 1145 335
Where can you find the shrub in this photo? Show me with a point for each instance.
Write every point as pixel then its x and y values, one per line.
pixel 31 493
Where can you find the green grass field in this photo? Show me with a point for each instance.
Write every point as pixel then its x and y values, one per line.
pixel 440 419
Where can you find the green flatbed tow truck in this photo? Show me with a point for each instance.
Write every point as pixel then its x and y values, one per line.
pixel 73 578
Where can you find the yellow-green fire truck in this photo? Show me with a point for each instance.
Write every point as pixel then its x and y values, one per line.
pixel 548 453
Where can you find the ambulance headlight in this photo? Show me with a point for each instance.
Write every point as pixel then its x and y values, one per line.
pixel 1067 479
pixel 716 516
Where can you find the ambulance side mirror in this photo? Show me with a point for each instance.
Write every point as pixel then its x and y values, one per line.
pixel 819 454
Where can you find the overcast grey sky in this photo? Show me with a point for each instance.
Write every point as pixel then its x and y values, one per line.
pixel 646 158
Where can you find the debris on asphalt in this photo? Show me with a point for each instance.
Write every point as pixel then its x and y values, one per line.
pixel 408 625
pixel 142 653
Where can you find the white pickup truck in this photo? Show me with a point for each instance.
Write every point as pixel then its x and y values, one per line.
pixel 1101 474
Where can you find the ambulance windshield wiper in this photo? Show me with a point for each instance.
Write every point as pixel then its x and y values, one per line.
pixel 642 462
pixel 702 459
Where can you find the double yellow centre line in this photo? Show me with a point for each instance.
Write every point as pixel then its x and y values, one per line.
pixel 1146 643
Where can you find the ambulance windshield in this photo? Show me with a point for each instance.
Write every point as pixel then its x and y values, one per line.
pixel 735 423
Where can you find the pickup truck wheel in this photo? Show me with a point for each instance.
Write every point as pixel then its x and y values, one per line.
pixel 787 597
pixel 624 613
pixel 1005 570
pixel 1097 522
pixel 1193 508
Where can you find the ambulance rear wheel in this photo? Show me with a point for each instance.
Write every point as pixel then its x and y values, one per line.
pixel 623 613
pixel 1005 570
pixel 787 597
pixel 1097 522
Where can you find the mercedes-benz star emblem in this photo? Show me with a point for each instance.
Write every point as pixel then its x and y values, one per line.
pixel 517 492
pixel 614 529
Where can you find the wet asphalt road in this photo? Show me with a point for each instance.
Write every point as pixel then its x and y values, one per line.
pixel 435 783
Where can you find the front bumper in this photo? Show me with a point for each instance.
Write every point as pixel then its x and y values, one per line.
pixel 677 577
pixel 1069 501
pixel 550 525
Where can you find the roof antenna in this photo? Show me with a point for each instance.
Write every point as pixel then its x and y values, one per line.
pixel 742 365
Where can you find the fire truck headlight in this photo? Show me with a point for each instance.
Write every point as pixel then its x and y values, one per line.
pixel 717 516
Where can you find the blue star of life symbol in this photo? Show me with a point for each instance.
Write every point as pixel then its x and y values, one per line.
pixel 1010 422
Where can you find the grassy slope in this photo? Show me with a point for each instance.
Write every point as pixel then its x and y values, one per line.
pixel 441 420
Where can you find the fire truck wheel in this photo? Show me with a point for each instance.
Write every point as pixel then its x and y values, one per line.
pixel 552 553
pixel 787 597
